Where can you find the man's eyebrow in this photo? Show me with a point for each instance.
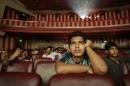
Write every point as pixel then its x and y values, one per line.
pixel 72 42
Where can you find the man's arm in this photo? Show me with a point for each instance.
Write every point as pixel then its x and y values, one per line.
pixel 98 64
pixel 64 68
pixel 15 54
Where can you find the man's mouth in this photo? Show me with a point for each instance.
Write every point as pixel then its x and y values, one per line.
pixel 77 51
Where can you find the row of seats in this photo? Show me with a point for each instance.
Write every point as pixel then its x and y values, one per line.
pixel 81 79
pixel 44 68
pixel 19 79
pixel 24 66
pixel 84 79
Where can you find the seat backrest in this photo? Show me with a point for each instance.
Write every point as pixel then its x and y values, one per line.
pixel 19 79
pixel 126 80
pixel 41 60
pixel 21 66
pixel 126 68
pixel 80 80
pixel 45 70
pixel 0 65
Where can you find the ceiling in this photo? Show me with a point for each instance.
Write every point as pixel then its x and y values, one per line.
pixel 65 4
pixel 62 4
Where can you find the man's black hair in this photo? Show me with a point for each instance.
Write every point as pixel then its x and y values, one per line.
pixel 109 44
pixel 77 33
pixel 50 47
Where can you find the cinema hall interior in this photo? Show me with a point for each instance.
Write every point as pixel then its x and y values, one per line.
pixel 64 42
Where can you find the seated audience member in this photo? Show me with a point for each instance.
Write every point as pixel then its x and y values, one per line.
pixel 4 57
pixel 61 50
pixel 20 55
pixel 57 54
pixel 35 51
pixel 81 57
pixel 49 53
pixel 114 62
pixel 4 60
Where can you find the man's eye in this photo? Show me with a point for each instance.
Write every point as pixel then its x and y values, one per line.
pixel 81 43
pixel 72 43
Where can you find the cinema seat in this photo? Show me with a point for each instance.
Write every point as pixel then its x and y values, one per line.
pixel 0 66
pixel 21 66
pixel 126 68
pixel 80 80
pixel 45 70
pixel 41 60
pixel 19 79
pixel 126 80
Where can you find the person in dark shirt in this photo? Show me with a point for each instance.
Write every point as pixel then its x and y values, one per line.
pixel 115 62
pixel 81 58
pixel 20 55
pixel 17 56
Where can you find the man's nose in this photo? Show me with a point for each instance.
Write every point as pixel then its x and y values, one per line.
pixel 77 45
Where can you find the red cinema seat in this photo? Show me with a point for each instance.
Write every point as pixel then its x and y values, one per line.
pixel 126 80
pixel 0 66
pixel 41 60
pixel 21 66
pixel 45 70
pixel 80 80
pixel 19 79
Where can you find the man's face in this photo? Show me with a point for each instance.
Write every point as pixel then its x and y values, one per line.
pixel 77 46
pixel 113 51
pixel 49 50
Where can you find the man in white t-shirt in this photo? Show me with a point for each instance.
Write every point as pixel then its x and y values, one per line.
pixel 49 53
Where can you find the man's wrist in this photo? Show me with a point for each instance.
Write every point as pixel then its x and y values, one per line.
pixel 87 68
pixel 87 46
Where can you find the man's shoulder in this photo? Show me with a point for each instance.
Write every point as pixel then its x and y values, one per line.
pixel 67 54
pixel 107 59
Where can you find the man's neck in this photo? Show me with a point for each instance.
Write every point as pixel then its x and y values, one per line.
pixel 77 59
pixel 115 59
pixel 48 53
